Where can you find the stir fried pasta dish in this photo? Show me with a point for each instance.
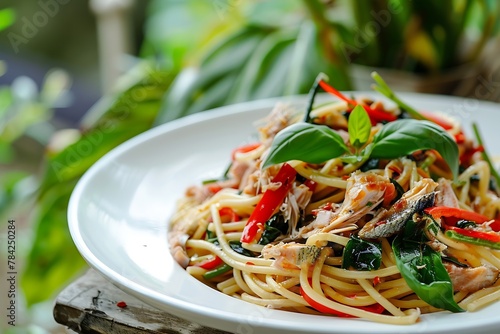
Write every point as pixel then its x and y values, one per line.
pixel 349 209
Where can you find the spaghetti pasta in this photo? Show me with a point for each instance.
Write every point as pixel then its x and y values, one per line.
pixel 353 235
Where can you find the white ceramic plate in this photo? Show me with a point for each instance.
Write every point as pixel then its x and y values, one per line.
pixel 119 212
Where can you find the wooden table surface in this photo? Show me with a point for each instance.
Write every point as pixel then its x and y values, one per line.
pixel 89 305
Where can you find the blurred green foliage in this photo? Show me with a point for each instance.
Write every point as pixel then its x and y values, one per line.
pixel 419 36
pixel 24 112
pixel 53 258
pixel 7 18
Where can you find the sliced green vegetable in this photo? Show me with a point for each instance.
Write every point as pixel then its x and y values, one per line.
pixel 486 239
pixel 217 271
pixel 361 254
pixel 423 269
pixel 485 155
pixel 382 87
pixel 312 95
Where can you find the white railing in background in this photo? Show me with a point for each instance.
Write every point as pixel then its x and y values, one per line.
pixel 114 38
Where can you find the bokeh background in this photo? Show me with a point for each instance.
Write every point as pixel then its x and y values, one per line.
pixel 70 69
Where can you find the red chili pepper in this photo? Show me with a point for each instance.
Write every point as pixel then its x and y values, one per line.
pixel 375 308
pixel 488 236
pixel 460 138
pixel 228 215
pixel 453 215
pixel 467 155
pixel 214 187
pixel 244 149
pixel 211 263
pixel 311 184
pixel 438 120
pixel 121 304
pixel 376 116
pixel 269 202
pixel 495 226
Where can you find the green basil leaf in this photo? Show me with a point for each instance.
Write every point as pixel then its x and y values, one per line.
pixel 403 137
pixel 361 254
pixel 358 158
pixel 423 269
pixel 274 227
pixel 305 142
pixel 359 127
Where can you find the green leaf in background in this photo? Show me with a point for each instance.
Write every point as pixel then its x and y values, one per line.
pixel 109 123
pixel 220 67
pixel 359 126
pixel 403 137
pixel 305 142
pixel 7 18
pixel 9 183
pixel 264 74
pixel 53 259
pixel 255 62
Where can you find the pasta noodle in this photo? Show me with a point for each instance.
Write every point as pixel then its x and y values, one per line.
pixel 339 241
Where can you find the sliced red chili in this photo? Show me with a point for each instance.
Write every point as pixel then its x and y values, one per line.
pixel 438 120
pixel 488 236
pixel 311 184
pixel 269 202
pixel 244 149
pixel 375 115
pixel 228 215
pixel 453 215
pixel 211 263
pixel 375 308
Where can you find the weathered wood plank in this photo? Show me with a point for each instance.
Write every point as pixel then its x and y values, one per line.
pixel 89 306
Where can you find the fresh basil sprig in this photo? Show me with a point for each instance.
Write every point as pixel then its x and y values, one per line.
pixel 316 144
pixel 423 269
pixel 359 127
